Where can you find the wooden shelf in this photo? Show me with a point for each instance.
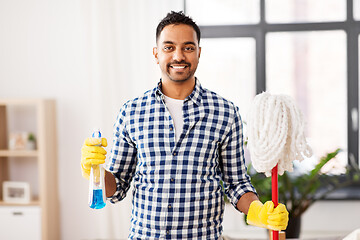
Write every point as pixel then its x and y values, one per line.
pixel 42 117
pixel 18 153
pixel 31 203
pixel 21 102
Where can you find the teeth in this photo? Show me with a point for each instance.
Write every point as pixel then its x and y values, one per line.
pixel 178 67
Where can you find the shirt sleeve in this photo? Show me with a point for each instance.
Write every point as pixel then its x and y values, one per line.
pixel 236 180
pixel 123 157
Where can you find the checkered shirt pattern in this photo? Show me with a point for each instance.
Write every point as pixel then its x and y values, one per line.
pixel 177 192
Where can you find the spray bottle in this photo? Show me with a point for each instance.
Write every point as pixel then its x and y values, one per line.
pixel 96 182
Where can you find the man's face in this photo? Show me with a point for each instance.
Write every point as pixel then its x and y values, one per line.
pixel 177 52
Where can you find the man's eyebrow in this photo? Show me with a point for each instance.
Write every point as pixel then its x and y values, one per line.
pixel 185 43
pixel 168 42
pixel 190 42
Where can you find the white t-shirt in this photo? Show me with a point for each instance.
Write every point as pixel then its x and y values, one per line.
pixel 175 108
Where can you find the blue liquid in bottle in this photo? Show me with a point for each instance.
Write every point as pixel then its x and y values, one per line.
pixel 96 183
pixel 97 199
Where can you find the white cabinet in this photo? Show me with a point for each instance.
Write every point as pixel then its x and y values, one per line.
pixel 39 219
pixel 22 222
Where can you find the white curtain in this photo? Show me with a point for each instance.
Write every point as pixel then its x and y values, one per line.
pixel 122 67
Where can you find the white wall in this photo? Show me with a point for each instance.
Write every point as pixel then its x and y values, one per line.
pixel 44 53
pixel 91 56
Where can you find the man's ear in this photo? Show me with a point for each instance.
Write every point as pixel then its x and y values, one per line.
pixel 155 53
pixel 199 51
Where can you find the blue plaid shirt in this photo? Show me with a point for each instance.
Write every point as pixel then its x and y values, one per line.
pixel 177 184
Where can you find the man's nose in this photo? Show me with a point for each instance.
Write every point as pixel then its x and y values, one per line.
pixel 178 55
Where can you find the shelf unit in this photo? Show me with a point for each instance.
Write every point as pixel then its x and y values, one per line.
pixel 44 158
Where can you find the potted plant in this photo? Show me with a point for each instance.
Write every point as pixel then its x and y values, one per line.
pixel 31 142
pixel 299 191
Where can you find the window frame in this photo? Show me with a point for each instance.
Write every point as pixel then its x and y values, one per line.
pixel 258 31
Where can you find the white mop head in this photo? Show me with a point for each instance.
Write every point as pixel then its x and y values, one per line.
pixel 275 133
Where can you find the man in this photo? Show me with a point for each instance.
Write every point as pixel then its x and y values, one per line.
pixel 177 142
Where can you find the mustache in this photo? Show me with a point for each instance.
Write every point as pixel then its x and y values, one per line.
pixel 177 62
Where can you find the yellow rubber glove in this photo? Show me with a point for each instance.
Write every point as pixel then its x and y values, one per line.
pixel 264 215
pixel 92 153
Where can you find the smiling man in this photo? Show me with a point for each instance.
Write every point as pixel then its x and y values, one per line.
pixel 177 54
pixel 177 143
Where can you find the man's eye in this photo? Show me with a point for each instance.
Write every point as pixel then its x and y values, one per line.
pixel 168 48
pixel 189 49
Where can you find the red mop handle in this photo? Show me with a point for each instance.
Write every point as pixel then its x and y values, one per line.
pixel 275 195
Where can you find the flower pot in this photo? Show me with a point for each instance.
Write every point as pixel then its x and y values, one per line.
pixel 294 227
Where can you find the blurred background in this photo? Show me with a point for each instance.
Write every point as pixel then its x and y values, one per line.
pixel 92 56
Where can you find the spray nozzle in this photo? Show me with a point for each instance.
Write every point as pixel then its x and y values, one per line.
pixel 96 134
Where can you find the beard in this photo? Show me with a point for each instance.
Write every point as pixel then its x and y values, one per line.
pixel 182 76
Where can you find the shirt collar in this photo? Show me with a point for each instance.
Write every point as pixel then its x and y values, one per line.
pixel 158 94
pixel 195 95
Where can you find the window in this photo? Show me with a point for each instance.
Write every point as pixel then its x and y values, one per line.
pixel 232 74
pixel 222 12
pixel 356 9
pixel 311 68
pixel 285 11
pixel 303 48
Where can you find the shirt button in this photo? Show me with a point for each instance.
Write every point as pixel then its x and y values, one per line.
pixel 172 180
pixel 167 231
pixel 171 129
pixel 170 206
pixel 174 153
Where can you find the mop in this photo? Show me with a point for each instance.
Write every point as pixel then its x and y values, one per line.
pixel 275 138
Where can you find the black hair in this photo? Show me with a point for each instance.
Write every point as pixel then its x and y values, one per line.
pixel 177 18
